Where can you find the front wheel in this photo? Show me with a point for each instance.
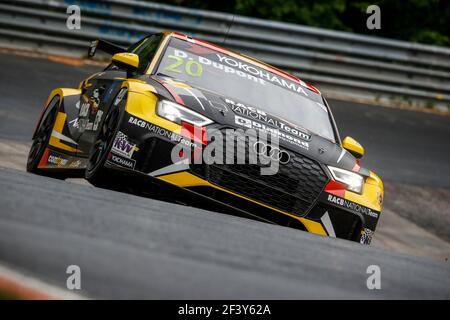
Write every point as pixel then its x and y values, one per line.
pixel 96 172
pixel 41 139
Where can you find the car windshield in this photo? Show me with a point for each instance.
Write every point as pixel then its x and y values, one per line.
pixel 247 83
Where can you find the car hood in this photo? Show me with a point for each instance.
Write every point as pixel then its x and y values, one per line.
pixel 231 113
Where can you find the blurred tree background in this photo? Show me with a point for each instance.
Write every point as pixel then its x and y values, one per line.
pixel 424 21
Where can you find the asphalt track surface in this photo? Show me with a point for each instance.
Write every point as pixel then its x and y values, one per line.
pixel 131 247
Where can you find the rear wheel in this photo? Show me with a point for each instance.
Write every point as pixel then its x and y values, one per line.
pixel 96 172
pixel 41 139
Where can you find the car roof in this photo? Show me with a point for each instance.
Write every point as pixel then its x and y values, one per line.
pixel 244 57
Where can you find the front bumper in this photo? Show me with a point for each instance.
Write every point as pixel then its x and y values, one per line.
pixel 299 195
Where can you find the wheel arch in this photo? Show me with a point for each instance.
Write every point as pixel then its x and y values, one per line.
pixel 61 92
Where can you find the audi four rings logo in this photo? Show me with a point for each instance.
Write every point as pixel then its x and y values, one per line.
pixel 273 153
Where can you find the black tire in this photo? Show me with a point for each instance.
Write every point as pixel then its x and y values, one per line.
pixel 96 172
pixel 41 139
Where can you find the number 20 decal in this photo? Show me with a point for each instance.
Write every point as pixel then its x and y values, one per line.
pixel 192 68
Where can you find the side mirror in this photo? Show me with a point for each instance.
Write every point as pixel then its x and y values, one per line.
pixel 353 146
pixel 127 61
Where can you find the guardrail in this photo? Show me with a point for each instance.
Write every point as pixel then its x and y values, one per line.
pixel 340 64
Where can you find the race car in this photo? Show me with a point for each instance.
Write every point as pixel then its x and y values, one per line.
pixel 215 125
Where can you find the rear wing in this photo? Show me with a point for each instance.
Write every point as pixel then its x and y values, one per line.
pixel 105 46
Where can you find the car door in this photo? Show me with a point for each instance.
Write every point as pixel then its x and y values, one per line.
pixel 99 90
pixel 96 94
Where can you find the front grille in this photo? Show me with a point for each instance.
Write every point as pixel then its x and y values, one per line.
pixel 294 188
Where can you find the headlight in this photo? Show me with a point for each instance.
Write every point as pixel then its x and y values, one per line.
pixel 177 113
pixel 353 181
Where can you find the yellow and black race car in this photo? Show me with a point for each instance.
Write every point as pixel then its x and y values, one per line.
pixel 195 117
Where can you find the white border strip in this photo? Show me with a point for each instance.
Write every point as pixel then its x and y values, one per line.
pixel 38 285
